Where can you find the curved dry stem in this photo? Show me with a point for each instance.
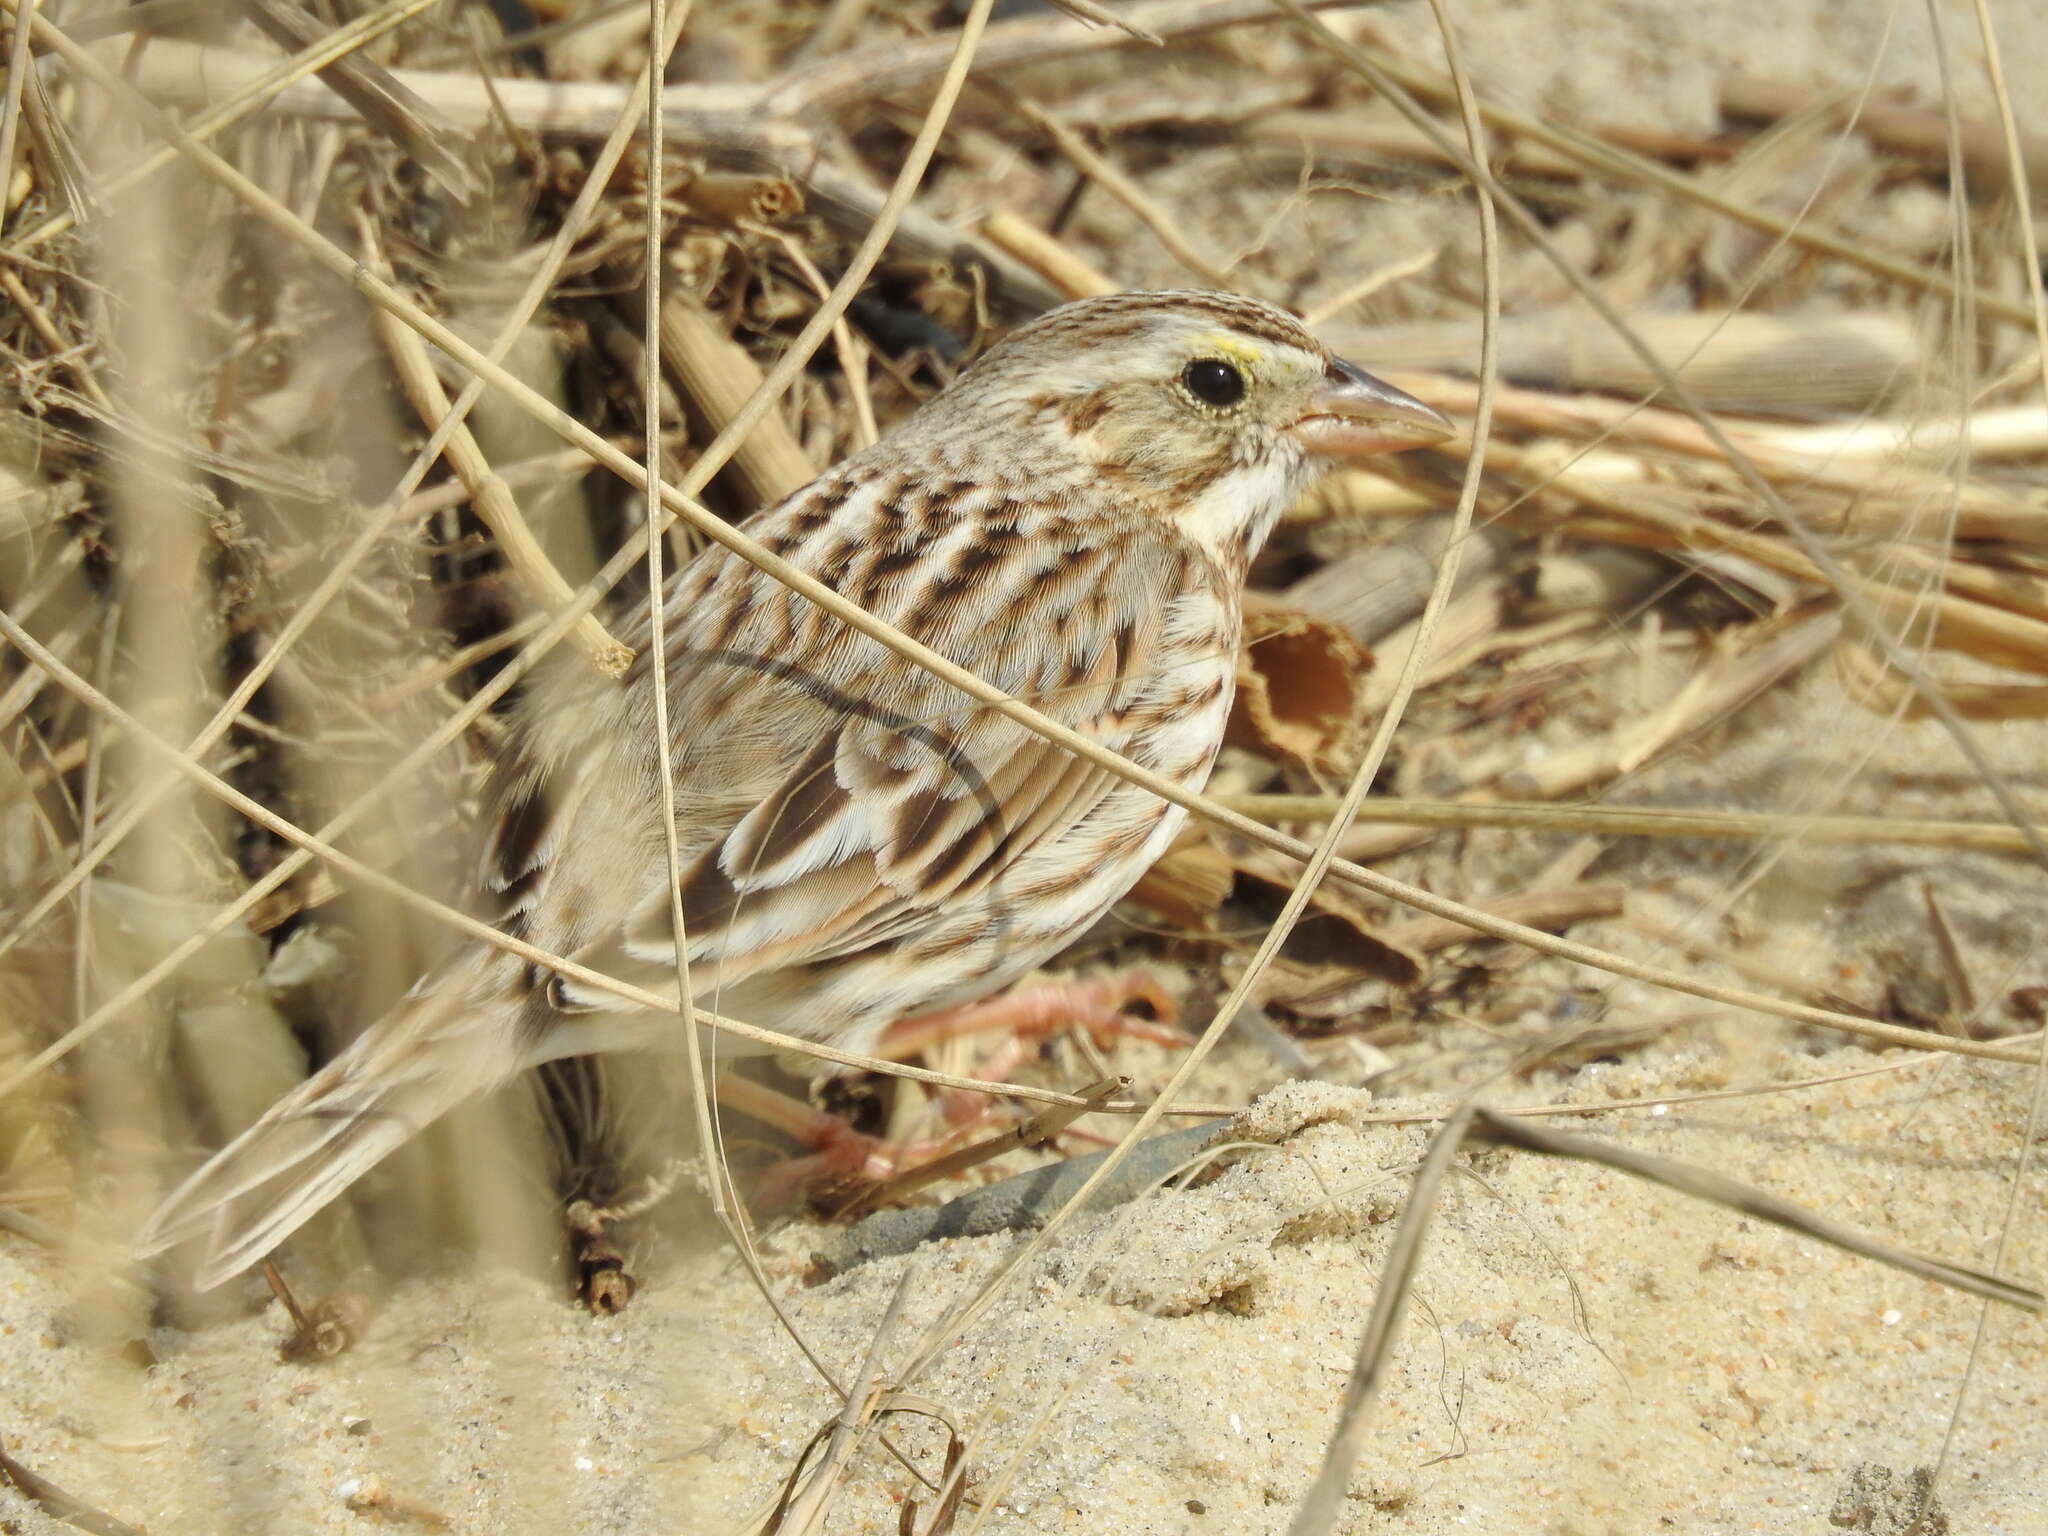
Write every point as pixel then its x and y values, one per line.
pixel 395 508
pixel 1855 596
pixel 1323 856
pixel 1324 1501
pixel 243 104
pixel 1642 821
pixel 2037 1108
pixel 530 401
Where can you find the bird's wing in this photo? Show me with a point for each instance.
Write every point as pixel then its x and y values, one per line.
pixel 830 796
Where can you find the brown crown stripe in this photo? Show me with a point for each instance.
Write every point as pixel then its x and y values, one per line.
pixel 1245 316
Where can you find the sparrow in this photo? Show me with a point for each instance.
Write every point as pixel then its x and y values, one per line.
pixel 1072 519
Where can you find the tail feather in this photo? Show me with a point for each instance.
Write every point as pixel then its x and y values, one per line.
pixel 436 1049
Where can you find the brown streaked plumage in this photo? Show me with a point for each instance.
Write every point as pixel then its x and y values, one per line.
pixel 1072 519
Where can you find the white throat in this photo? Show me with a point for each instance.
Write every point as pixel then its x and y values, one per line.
pixel 1230 520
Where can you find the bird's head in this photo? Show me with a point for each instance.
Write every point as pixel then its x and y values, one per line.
pixel 1208 409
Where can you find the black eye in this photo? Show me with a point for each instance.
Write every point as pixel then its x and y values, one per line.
pixel 1213 381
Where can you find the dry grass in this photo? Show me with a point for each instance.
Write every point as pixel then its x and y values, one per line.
pixel 269 591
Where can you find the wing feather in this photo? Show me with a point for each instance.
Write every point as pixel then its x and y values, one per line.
pixel 833 796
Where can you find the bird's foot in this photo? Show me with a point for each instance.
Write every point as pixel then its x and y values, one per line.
pixel 844 1163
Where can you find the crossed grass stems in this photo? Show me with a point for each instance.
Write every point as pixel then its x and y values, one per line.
pixel 665 503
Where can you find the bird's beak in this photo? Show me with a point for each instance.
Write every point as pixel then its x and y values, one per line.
pixel 1354 414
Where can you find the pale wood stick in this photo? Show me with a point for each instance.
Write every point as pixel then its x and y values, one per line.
pixel 352 272
pixel 543 584
pixel 2023 592
pixel 1370 592
pixel 1958 623
pixel 1731 361
pixel 1648 821
pixel 1357 494
pixel 1712 695
pixel 1908 131
pixel 1049 258
pixel 1878 687
pixel 1625 425
pixel 1604 579
pixel 716 377
pixel 1472 616
pixel 2007 432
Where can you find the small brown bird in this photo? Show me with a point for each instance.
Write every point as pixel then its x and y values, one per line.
pixel 1072 519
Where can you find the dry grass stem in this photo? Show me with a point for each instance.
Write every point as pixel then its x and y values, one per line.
pixel 1787 457
pixel 492 499
pixel 1539 909
pixel 1713 693
pixel 1917 135
pixel 1371 592
pixel 1099 169
pixel 1704 1184
pixel 1645 821
pixel 1048 257
pixel 716 378
pixel 1730 360
pixel 256 88
pixel 1610 161
pixel 1856 601
pixel 1882 691
pixel 74 358
pixel 281 219
pixel 343 569
pixel 369 88
pixel 812 243
pixel 59 1505
pixel 1321 1507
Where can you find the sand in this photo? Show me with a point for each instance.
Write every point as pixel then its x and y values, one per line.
pixel 1587 1354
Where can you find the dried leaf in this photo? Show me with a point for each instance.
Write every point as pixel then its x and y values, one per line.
pixel 1300 691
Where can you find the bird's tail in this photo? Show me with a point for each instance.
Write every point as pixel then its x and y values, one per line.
pixel 442 1044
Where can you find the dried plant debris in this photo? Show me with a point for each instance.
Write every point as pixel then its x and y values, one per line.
pixel 59 1505
pixel 267 519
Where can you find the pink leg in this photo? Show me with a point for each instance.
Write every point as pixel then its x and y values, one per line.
pixel 1035 1012
pixel 844 1158
pixel 1028 1015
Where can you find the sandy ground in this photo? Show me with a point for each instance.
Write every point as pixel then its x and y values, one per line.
pixel 1586 1355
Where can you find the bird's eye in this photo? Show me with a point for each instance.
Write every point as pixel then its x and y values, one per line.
pixel 1213 381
